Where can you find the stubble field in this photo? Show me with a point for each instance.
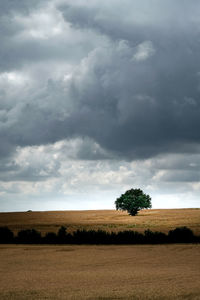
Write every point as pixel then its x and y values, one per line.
pixel 100 272
pixel 109 220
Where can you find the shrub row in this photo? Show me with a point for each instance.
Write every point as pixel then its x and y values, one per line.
pixel 32 236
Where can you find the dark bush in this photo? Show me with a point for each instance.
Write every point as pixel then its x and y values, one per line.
pixel 50 238
pixel 129 237
pixel 155 237
pixel 181 235
pixel 62 236
pixel 90 237
pixel 29 236
pixel 6 235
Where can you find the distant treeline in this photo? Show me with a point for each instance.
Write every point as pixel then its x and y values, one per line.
pixel 32 236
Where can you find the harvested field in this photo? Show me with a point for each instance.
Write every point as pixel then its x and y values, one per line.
pixel 100 272
pixel 108 220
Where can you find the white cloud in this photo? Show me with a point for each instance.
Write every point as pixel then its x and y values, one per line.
pixel 55 171
pixel 12 78
pixel 143 51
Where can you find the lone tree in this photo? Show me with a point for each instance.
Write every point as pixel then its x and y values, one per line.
pixel 133 200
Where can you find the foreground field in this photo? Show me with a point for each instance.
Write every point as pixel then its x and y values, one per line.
pixel 100 272
pixel 109 220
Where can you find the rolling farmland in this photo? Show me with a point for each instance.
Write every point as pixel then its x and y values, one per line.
pixel 150 272
pixel 109 220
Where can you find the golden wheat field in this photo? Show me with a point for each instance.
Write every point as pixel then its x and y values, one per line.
pixel 100 272
pixel 109 220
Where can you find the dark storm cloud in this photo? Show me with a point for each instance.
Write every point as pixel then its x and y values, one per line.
pixel 136 93
pixel 133 107
pixel 23 44
pixel 145 103
pixel 10 51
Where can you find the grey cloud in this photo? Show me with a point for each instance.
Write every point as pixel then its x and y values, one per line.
pixel 22 6
pixel 142 111
pixel 180 162
pixel 16 52
pixel 133 93
pixel 86 149
pixel 22 44
pixel 41 163
pixel 136 109
pixel 29 165
pixel 181 176
pixel 108 102
pixel 132 20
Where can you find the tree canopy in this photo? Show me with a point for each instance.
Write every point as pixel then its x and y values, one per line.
pixel 133 201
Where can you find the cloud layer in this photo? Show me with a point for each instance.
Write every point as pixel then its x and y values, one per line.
pixel 97 83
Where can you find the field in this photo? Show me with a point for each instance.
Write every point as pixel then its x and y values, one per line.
pixel 109 220
pixel 162 272
pixel 151 272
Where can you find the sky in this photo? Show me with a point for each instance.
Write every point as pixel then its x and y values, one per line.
pixel 97 97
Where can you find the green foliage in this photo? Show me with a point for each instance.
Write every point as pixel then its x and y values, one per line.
pixel 133 200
